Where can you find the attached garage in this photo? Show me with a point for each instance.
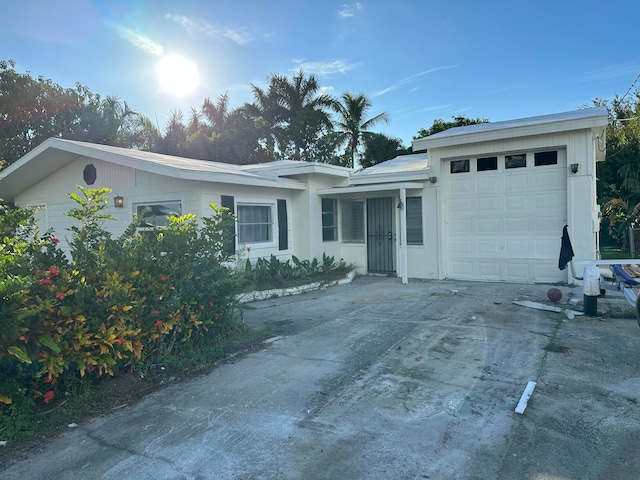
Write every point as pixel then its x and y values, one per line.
pixel 503 216
pixel 505 190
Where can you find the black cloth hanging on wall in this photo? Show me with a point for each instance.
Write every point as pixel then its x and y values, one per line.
pixel 566 250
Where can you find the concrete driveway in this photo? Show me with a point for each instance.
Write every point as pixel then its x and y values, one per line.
pixel 378 380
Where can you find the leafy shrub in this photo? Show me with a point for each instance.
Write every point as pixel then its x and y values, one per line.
pixel 116 303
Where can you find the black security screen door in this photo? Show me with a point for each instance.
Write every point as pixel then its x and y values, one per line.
pixel 380 236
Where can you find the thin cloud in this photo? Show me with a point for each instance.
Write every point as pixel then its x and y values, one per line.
pixel 349 10
pixel 628 70
pixel 328 67
pixel 140 41
pixel 402 82
pixel 197 26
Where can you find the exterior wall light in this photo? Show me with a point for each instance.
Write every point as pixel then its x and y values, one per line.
pixel 400 205
pixel 433 179
pixel 574 168
pixel 118 202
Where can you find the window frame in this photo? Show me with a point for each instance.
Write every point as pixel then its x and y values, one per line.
pixel 466 166
pixel 540 160
pixel 349 229
pixel 273 223
pixel 490 164
pixel 414 200
pixel 333 227
pixel 138 202
pixel 512 157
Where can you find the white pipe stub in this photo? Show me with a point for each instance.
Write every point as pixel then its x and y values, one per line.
pixel 524 399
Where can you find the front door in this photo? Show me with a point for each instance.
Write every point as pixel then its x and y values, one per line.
pixel 380 235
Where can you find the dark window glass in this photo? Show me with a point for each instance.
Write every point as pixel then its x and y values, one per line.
pixel 546 158
pixel 488 163
pixel 414 220
pixel 515 161
pixel 329 220
pixel 459 166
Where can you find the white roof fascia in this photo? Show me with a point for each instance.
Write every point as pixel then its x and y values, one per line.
pixel 222 173
pixel 300 168
pixel 392 177
pixel 576 120
pixel 386 187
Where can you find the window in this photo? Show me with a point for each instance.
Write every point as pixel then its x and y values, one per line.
pixel 414 220
pixel 488 163
pixel 155 214
pixel 329 220
pixel 545 158
pixel 255 223
pixel 353 221
pixel 515 161
pixel 459 166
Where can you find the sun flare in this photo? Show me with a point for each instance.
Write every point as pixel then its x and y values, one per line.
pixel 177 75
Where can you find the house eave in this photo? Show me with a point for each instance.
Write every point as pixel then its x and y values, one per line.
pixel 377 187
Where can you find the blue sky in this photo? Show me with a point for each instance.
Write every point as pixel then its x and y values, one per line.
pixel 415 60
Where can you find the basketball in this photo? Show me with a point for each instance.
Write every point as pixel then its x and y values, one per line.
pixel 554 294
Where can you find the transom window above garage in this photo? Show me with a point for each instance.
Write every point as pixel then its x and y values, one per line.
pixel 459 166
pixel 487 163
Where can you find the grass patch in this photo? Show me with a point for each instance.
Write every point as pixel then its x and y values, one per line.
pixel 614 253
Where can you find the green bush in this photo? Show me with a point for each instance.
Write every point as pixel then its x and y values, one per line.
pixel 116 303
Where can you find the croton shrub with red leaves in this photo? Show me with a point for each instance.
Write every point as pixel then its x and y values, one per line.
pixel 111 303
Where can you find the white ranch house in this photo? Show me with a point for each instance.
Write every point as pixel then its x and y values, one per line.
pixel 488 202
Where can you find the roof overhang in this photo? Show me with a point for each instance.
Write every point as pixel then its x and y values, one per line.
pixel 378 187
pixel 55 153
pixel 561 122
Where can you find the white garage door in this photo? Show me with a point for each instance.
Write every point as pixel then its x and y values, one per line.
pixel 504 217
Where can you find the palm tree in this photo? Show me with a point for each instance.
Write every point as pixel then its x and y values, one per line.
pixel 268 115
pixel 302 109
pixel 216 112
pixel 351 125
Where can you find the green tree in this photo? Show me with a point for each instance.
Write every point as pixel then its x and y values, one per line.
pixel 352 123
pixel 303 114
pixel 619 176
pixel 379 148
pixel 34 109
pixel 440 125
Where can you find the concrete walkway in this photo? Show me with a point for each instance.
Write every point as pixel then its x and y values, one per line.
pixel 378 380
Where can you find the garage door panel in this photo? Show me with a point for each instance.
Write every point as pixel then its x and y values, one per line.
pixel 516 225
pixel 462 205
pixel 489 270
pixel 492 204
pixel 489 225
pixel 488 247
pixel 518 271
pixel 545 248
pixel 517 247
pixel 488 184
pixel 516 183
pixel 465 226
pixel 517 203
pixel 462 269
pixel 461 247
pixel 551 200
pixel 549 225
pixel 505 224
pixel 547 271
pixel 461 186
pixel 552 180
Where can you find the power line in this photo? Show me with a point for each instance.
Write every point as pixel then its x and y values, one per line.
pixel 632 85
